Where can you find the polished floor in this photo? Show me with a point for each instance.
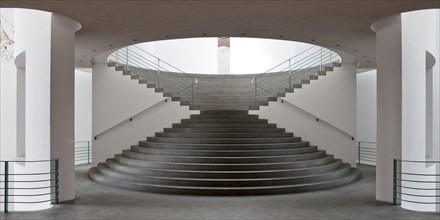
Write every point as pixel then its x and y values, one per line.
pixel 94 201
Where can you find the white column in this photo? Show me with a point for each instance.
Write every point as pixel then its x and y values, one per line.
pixel 62 94
pixel 389 102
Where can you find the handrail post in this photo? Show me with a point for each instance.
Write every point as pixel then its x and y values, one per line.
pixel 290 75
pixel 88 152
pixel 6 186
pixel 320 66
pixel 255 84
pixel 126 58
pixel 158 73
pixel 192 91
pixel 57 200
pixel 394 182
pixel 359 152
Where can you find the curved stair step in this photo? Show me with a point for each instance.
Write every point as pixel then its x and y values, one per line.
pixel 113 164
pixel 235 146
pixel 225 160
pixel 222 153
pixel 177 189
pixel 226 167
pixel 223 140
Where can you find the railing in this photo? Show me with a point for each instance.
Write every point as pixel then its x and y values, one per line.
pixel 290 72
pixel 156 71
pixel 130 119
pixel 416 187
pixel 317 119
pixel 83 152
pixel 366 153
pixel 21 186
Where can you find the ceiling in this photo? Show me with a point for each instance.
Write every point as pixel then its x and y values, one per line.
pixel 340 24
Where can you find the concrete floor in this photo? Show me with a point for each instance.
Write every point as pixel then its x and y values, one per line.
pixel 94 201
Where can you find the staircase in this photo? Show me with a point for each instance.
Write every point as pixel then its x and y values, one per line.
pixel 224 152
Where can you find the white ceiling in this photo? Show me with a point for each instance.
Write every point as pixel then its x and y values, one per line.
pixel 340 24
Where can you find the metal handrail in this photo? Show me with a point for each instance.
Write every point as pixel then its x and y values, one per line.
pixel 130 118
pixel 83 154
pixel 53 183
pixel 366 153
pixel 399 181
pixel 318 119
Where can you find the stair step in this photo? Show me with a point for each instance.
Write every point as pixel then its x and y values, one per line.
pixel 224 160
pixel 225 130
pixel 223 140
pixel 225 182
pixel 223 153
pixel 177 189
pixel 224 167
pixel 224 125
pixel 257 146
pixel 223 135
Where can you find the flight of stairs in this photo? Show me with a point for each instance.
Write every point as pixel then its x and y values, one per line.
pixel 224 91
pixel 224 152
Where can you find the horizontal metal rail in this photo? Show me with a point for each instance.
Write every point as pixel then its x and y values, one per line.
pixel 429 192
pixel 317 118
pixel 50 183
pixel 130 119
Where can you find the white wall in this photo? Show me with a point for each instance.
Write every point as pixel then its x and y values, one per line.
pixel 331 98
pixel 83 105
pixel 116 98
pixel 366 117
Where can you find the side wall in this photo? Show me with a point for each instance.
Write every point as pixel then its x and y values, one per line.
pixel 331 98
pixel 366 115
pixel 116 98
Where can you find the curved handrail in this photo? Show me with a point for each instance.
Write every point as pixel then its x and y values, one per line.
pixel 51 177
pixel 318 119
pixel 130 118
pixel 424 188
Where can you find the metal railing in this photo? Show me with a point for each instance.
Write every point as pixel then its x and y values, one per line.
pixel 317 119
pixel 83 152
pixel 421 188
pixel 20 186
pixel 366 154
pixel 292 71
pixel 130 119
pixel 155 71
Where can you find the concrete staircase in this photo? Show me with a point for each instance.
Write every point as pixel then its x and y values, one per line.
pixel 223 91
pixel 224 152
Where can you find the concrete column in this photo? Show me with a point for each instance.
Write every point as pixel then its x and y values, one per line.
pixel 62 101
pixel 389 102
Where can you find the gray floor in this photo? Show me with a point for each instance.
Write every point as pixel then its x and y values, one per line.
pixel 94 201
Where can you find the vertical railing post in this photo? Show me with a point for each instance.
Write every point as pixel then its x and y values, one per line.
pixel 192 91
pixel 255 85
pixel 88 152
pixel 320 66
pixel 57 199
pixel 359 152
pixel 290 75
pixel 158 73
pixel 395 182
pixel 126 58
pixel 6 186
pixel 331 58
